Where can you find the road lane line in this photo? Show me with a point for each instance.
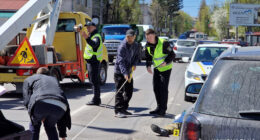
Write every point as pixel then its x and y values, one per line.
pixel 104 95
pixel 99 113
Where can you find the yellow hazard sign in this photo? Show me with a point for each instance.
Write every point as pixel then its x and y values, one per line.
pixel 24 55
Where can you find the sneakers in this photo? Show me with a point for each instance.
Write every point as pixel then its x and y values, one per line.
pixel 92 102
pixel 120 115
pixel 161 131
pixel 126 112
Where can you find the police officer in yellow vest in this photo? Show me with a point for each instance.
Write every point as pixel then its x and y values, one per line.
pixel 160 54
pixel 93 56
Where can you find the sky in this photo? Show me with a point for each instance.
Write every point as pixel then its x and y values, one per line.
pixel 191 7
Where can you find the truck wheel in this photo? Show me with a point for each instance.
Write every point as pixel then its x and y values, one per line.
pixel 103 74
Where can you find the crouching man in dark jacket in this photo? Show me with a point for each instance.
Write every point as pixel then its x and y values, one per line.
pixel 47 104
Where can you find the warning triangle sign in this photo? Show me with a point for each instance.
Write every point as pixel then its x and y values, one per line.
pixel 24 55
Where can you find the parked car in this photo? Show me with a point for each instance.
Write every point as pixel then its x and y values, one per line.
pixel 201 64
pixel 184 48
pixel 228 105
pixel 164 37
pixel 172 42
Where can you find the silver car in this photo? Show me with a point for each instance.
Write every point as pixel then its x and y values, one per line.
pixel 184 48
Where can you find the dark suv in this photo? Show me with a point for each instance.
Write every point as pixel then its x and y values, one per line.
pixel 228 106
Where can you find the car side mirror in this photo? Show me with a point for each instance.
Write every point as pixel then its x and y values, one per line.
pixel 185 59
pixel 194 88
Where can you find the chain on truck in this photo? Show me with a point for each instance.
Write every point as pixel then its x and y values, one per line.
pixel 53 42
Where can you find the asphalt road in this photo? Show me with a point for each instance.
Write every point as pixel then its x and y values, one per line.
pixel 98 122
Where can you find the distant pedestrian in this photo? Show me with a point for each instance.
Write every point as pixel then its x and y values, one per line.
pixel 160 54
pixel 126 61
pixel 47 104
pixel 93 56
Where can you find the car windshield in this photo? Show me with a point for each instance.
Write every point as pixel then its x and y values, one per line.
pixel 115 31
pixel 208 54
pixel 186 43
pixel 232 87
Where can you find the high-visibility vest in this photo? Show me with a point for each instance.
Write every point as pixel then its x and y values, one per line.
pixel 88 53
pixel 159 56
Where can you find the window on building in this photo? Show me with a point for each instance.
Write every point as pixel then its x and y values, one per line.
pixel 78 1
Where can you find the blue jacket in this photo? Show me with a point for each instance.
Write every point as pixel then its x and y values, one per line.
pixel 127 56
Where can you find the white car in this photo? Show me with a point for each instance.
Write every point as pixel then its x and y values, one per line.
pixel 201 64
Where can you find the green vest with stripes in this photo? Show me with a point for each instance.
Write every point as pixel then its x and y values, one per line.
pixel 159 57
pixel 88 53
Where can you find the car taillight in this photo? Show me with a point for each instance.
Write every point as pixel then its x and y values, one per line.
pixel 191 128
pixel 23 72
pixel 175 48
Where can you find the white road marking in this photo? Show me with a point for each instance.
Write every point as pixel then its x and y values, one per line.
pixel 78 110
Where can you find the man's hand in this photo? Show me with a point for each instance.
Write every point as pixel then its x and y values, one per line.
pixel 84 34
pixel 163 64
pixel 149 69
pixel 63 138
pixel 134 67
pixel 126 77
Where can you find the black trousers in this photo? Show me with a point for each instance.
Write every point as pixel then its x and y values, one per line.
pixel 94 78
pixel 124 95
pixel 51 115
pixel 160 87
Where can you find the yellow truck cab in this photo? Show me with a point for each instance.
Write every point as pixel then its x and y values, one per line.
pixel 64 58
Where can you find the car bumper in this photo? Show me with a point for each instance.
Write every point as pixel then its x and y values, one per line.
pixel 182 54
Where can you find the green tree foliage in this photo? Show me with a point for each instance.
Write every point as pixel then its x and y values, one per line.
pixel 163 12
pixel 182 23
pixel 122 12
pixel 203 23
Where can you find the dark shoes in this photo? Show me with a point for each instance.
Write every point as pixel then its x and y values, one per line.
pixel 120 115
pixel 157 112
pixel 126 112
pixel 161 131
pixel 154 111
pixel 93 102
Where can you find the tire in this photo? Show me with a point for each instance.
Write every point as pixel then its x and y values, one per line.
pixel 103 74
pixel 187 98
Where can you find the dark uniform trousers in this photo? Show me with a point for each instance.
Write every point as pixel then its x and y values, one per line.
pixel 124 95
pixel 94 78
pixel 51 115
pixel 160 87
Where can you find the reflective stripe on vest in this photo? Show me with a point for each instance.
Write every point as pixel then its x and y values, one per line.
pixel 159 57
pixel 88 53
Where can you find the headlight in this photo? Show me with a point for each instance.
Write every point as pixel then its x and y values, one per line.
pixel 193 75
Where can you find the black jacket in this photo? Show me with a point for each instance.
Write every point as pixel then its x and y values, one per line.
pixel 127 56
pixel 95 42
pixel 39 87
pixel 167 49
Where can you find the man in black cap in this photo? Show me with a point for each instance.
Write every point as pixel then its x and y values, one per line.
pixel 93 55
pixel 126 61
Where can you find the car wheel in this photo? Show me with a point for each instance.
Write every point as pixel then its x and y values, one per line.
pixel 103 74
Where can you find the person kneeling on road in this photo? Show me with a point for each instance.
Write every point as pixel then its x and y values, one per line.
pixel 47 104
pixel 126 61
